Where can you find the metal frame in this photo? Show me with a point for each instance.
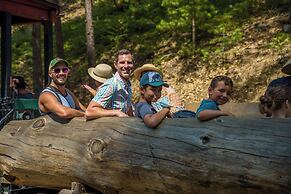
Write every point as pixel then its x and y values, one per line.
pixel 25 11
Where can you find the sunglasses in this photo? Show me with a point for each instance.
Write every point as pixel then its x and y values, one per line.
pixel 64 70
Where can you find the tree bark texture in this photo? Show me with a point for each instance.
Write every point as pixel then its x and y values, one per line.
pixel 36 58
pixel 90 37
pixel 121 155
pixel 193 32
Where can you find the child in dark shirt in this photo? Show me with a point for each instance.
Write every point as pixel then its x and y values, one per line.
pixel 150 90
pixel 219 93
pixel 18 86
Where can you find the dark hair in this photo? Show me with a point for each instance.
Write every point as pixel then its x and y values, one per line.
pixel 122 52
pixel 146 86
pixel 227 81
pixel 21 83
pixel 274 98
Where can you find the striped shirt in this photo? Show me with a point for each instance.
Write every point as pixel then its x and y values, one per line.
pixel 114 94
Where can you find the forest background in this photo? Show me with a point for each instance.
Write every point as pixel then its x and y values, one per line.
pixel 191 41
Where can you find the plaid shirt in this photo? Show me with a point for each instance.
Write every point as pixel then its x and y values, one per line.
pixel 115 93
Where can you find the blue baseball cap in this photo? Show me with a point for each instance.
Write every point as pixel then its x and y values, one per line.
pixel 153 79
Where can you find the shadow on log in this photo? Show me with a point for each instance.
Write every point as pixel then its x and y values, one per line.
pixel 121 155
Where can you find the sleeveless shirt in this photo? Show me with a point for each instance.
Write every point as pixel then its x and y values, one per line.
pixel 67 100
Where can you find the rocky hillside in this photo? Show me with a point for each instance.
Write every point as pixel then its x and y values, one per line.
pixel 252 63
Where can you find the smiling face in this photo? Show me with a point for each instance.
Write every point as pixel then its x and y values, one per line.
pixel 151 93
pixel 58 74
pixel 220 93
pixel 124 65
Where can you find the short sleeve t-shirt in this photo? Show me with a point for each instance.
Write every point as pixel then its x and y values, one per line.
pixel 114 94
pixel 207 105
pixel 144 108
pixel 283 81
pixel 27 95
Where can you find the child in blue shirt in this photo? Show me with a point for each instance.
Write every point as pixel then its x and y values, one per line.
pixel 219 93
pixel 150 90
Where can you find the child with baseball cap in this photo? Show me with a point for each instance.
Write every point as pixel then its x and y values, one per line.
pixel 150 91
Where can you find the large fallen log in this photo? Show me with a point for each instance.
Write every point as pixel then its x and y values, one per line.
pixel 121 155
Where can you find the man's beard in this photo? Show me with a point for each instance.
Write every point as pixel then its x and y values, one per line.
pixel 55 80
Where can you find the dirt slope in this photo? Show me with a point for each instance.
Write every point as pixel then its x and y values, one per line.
pixel 252 64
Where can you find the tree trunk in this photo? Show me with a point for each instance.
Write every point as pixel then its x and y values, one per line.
pixel 193 32
pixel 90 37
pixel 59 37
pixel 36 59
pixel 121 155
pixel 193 29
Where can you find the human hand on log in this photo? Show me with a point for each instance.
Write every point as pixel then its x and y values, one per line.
pixel 169 115
pixel 119 113
pixel 226 113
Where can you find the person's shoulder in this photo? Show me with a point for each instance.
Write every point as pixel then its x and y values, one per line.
pixel 207 104
pixel 26 95
pixel 140 104
pixel 48 91
pixel 281 81
pixel 29 95
pixel 143 105
pixel 47 94
pixel 276 81
pixel 143 108
pixel 207 101
pixel 112 82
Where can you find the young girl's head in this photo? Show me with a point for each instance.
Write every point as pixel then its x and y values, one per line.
pixel 151 86
pixel 277 102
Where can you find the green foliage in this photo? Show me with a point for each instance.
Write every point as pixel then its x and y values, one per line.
pixel 243 9
pixel 75 39
pixel 232 15
pixel 204 53
pixel 229 39
pixel 179 14
pixel 186 50
pixel 153 29
pixel 21 50
pixel 279 40
pixel 276 4
pixel 132 26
